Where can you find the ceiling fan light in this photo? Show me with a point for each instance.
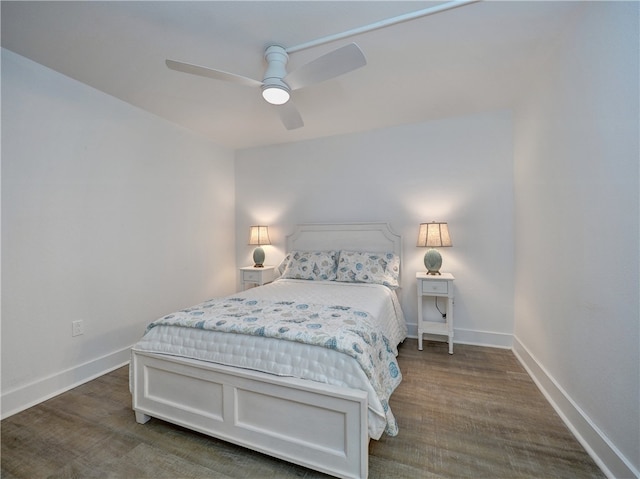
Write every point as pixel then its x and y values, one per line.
pixel 276 95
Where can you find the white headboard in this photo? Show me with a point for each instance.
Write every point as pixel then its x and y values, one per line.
pixel 373 237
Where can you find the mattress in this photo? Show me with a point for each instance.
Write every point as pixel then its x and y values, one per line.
pixel 290 358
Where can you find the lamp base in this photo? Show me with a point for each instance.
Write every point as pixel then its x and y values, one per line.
pixel 258 257
pixel 432 261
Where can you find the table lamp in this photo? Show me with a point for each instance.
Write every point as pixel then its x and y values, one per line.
pixel 259 235
pixel 433 235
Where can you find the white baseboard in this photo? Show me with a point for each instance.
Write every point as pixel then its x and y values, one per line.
pixel 604 453
pixel 483 338
pixel 24 397
pixel 473 337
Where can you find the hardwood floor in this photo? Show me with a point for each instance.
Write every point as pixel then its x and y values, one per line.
pixel 473 414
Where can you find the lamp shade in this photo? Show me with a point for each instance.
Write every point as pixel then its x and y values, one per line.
pixel 259 235
pixel 434 235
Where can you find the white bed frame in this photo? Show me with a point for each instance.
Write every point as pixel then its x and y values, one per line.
pixel 316 425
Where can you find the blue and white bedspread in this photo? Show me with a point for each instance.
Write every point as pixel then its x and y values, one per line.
pixel 341 328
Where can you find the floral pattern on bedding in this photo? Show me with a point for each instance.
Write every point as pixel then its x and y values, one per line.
pixel 363 267
pixel 341 328
pixel 311 265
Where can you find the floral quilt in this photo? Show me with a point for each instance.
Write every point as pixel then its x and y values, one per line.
pixel 341 328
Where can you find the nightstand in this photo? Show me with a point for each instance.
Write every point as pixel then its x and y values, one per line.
pixel 436 286
pixel 257 276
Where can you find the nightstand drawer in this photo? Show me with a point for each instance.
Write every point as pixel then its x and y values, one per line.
pixel 251 275
pixel 435 287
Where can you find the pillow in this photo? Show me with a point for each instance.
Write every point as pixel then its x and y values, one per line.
pixel 314 265
pixel 283 264
pixel 363 267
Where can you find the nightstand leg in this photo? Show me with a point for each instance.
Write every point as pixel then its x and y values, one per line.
pixel 450 321
pixel 419 341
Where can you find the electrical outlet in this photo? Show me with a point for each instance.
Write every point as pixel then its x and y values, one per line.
pixel 77 328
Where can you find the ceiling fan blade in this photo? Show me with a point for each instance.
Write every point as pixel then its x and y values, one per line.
pixel 330 65
pixel 211 73
pixel 290 116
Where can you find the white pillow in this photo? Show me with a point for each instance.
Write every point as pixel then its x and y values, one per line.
pixel 313 265
pixel 365 267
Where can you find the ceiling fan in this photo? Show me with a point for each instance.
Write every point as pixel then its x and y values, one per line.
pixel 277 84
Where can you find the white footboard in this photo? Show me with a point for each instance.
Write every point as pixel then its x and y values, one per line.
pixel 315 425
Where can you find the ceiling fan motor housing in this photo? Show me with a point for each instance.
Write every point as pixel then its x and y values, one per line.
pixel 277 59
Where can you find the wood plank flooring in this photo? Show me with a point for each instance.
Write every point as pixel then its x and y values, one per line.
pixel 473 414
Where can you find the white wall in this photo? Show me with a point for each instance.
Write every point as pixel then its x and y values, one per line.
pixel 109 215
pixel 577 291
pixel 458 170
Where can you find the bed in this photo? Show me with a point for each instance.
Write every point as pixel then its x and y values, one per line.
pixel 302 368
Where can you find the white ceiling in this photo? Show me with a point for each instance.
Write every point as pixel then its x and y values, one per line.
pixel 472 58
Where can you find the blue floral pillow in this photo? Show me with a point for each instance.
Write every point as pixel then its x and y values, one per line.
pixel 362 267
pixel 283 264
pixel 314 265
